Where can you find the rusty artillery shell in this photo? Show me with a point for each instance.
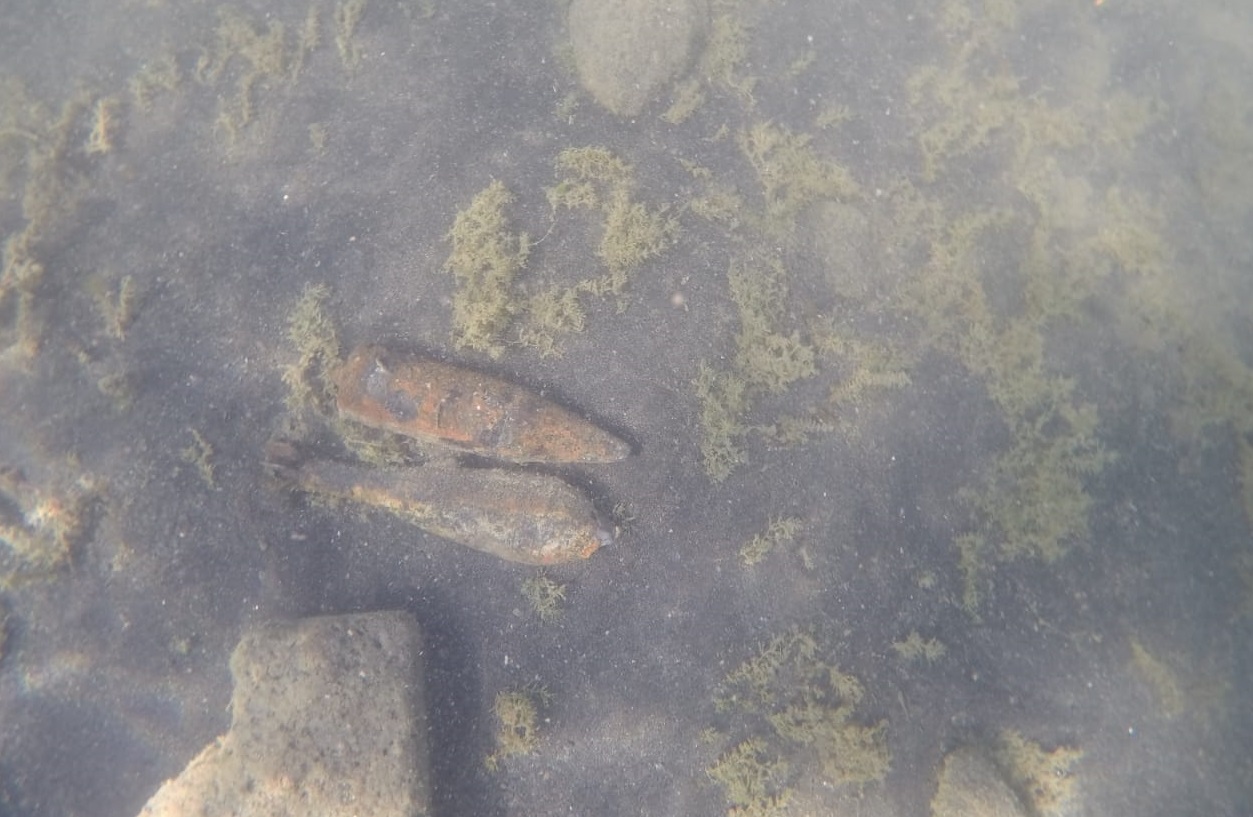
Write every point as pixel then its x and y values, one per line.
pixel 429 400
pixel 531 518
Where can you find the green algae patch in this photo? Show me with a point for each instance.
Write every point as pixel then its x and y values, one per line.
pixel 42 159
pixel 486 257
pixel 780 531
pixel 544 596
pixel 767 360
pixel 631 233
pixel 105 125
pixel 800 716
pixel 722 63
pixel 313 334
pixel 588 177
pixel 517 721
pixel 791 173
pixel 1043 778
pixel 42 525
pixel 117 308
pixel 199 455
pixel 550 313
pixel 722 400
pixel 261 55
pixel 493 307
pixel 687 98
pixel 914 648
pixel 347 17
pixel 1031 499
pixel 753 779
pixel 159 75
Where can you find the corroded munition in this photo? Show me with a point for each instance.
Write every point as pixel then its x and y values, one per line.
pixel 522 517
pixel 474 412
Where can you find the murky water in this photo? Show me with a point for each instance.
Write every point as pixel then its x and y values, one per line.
pixel 927 325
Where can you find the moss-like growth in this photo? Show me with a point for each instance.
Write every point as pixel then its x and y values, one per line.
pixel 307 39
pixel 517 716
pixel 492 308
pixel 915 648
pixel 41 154
pixel 550 313
pixel 486 256
pixel 105 124
pixel 801 710
pixel 41 526
pixel 792 175
pixel 753 778
pixel 971 561
pixel 200 455
pixel 117 309
pixel 721 205
pixel 261 54
pixel 544 596
pixel 348 15
pixel 686 100
pixel 588 177
pixel 780 531
pixel 312 332
pixel 766 358
pixel 118 386
pixel 722 400
pixel 633 233
pixel 156 76
pixel 1032 500
pixel 595 178
pixel 725 54
pixel 20 278
pixel 870 366
pixel 1043 778
pixel 766 361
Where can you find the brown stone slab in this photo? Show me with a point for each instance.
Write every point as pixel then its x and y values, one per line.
pixel 328 717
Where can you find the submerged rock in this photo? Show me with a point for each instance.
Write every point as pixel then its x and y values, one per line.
pixel 327 717
pixel 627 50
pixel 970 785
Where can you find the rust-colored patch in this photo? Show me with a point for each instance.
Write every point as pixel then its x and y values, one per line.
pixel 474 412
pixel 518 516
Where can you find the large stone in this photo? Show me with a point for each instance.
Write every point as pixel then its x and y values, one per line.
pixel 328 718
pixel 970 785
pixel 627 50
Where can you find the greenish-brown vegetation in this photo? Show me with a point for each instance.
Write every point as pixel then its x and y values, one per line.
pixel 781 531
pixel 41 525
pixel 486 257
pixel 1044 778
pixel 544 596
pixel 517 719
pixel 766 361
pixel 801 716
pixel 199 454
pixel 313 334
pixel 791 173
pixel 914 647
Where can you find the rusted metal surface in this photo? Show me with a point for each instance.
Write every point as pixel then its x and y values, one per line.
pixel 467 410
pixel 520 516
